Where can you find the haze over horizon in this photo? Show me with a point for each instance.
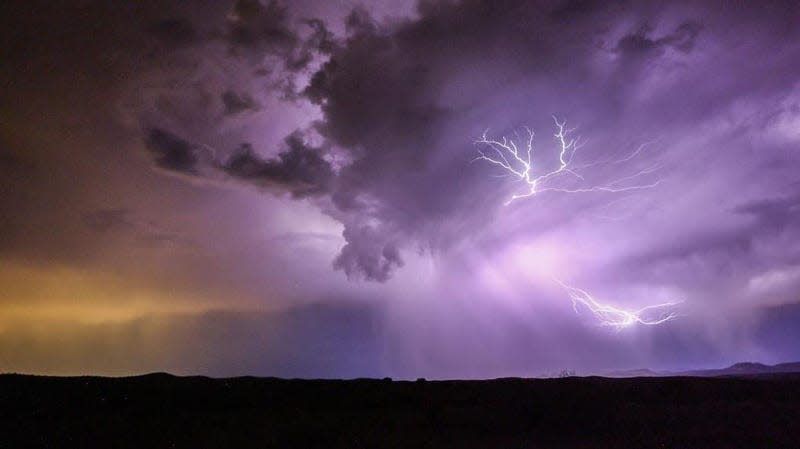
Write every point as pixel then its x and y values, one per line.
pixel 290 189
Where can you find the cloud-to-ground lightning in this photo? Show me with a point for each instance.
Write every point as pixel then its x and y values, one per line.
pixel 617 317
pixel 516 159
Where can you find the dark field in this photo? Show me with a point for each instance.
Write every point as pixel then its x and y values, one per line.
pixel 159 410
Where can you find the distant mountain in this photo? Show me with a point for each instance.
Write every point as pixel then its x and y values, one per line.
pixel 791 367
pixel 737 369
pixel 642 372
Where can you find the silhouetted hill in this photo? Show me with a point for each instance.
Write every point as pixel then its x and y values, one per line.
pixel 737 369
pixel 160 411
pixel 641 372
pixel 791 367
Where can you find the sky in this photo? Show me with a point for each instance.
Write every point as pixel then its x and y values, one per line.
pixel 296 189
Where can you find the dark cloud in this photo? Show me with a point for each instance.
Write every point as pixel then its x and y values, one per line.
pixel 381 96
pixel 300 169
pixel 258 30
pixel 321 39
pixel 236 103
pixel 770 215
pixel 571 10
pixel 773 213
pixel 707 245
pixel 260 27
pixel 639 44
pixel 320 42
pixel 171 152
pixel 174 31
pixel 738 253
pixel 390 124
pixel 390 92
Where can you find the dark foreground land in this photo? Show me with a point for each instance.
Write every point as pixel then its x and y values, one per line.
pixel 160 410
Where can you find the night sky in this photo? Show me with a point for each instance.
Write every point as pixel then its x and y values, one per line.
pixel 291 189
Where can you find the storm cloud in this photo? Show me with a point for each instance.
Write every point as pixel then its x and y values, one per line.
pixel 299 169
pixel 391 93
pixel 172 153
pixel 324 151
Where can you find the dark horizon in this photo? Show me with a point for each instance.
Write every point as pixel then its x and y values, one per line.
pixel 164 411
pixel 345 189
pixel 739 369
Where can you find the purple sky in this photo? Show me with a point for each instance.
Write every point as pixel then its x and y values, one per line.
pixel 235 187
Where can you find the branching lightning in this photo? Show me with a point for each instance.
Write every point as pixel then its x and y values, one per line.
pixel 617 317
pixel 518 162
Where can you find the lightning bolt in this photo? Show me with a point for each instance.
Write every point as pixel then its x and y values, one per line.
pixel 518 162
pixel 617 317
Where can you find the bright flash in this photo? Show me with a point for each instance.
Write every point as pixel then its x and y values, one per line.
pixel 516 159
pixel 617 317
